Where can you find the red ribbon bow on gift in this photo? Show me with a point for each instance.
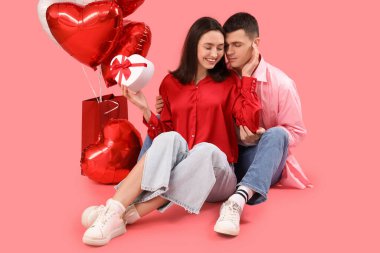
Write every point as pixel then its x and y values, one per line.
pixel 123 68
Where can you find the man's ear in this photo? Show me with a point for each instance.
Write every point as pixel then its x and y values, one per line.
pixel 257 41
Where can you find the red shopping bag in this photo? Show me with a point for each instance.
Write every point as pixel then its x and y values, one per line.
pixel 96 114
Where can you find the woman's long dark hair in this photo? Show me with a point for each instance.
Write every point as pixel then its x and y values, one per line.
pixel 188 66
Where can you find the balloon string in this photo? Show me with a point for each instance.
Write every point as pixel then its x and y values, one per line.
pixel 100 84
pixel 90 84
pixel 100 78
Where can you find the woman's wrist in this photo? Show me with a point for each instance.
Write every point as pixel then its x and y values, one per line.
pixel 146 113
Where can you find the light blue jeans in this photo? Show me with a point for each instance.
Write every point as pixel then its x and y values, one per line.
pixel 260 166
pixel 185 177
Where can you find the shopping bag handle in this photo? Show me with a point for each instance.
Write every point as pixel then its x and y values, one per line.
pixel 113 109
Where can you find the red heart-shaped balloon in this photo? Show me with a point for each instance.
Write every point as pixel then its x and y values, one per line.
pixel 114 155
pixel 129 6
pixel 88 33
pixel 134 39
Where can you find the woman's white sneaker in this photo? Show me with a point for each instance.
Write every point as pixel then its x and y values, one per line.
pixel 107 225
pixel 90 214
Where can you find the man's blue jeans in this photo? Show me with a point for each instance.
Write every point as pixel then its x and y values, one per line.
pixel 258 167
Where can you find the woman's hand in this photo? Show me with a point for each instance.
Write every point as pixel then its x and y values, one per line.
pixel 252 64
pixel 249 138
pixel 138 99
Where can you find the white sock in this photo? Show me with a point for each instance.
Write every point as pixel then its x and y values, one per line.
pixel 131 215
pixel 241 196
pixel 116 205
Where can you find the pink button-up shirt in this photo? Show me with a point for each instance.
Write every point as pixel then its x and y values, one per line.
pixel 281 107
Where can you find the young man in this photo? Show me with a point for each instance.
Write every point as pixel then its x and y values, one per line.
pixel 264 156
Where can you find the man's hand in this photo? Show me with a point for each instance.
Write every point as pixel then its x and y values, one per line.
pixel 252 64
pixel 249 138
pixel 159 104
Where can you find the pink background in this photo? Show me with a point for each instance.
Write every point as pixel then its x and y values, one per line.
pixel 330 48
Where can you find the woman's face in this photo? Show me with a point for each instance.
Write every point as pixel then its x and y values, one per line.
pixel 210 49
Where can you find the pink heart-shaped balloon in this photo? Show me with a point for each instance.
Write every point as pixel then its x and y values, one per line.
pixel 114 155
pixel 88 33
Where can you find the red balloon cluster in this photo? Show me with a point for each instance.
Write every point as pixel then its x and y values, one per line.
pixel 95 33
pixel 114 155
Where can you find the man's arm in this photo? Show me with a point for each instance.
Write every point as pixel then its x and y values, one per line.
pixel 290 113
pixel 159 104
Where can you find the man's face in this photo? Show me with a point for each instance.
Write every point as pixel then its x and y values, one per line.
pixel 239 48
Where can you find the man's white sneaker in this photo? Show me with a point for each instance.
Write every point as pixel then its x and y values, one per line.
pixel 107 225
pixel 229 219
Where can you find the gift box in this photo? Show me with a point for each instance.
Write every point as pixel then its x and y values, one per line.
pixel 134 71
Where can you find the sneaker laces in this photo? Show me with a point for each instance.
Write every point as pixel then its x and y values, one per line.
pixel 104 216
pixel 99 209
pixel 230 212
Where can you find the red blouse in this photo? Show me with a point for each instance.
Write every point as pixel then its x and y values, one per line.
pixel 206 112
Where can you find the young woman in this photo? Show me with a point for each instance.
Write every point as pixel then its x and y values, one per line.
pixel 194 142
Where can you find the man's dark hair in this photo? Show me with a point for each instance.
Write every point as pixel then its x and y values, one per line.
pixel 242 20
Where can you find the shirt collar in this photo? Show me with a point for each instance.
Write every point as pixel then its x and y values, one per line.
pixel 261 72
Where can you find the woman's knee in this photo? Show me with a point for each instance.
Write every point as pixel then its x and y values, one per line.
pixel 167 137
pixel 206 147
